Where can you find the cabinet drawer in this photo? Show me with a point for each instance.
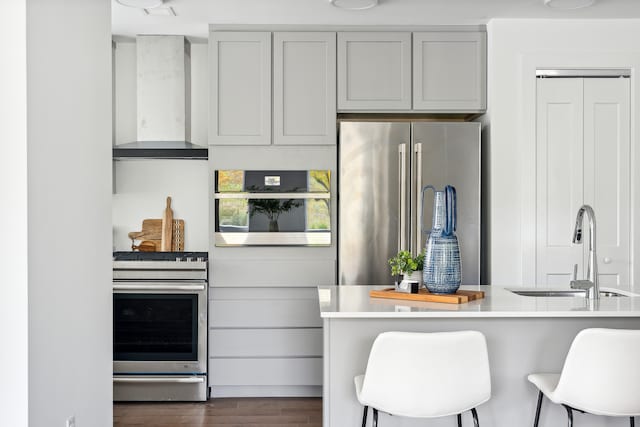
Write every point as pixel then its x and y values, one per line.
pixel 264 313
pixel 301 342
pixel 258 372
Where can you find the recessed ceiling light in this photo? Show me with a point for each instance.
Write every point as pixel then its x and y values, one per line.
pixel 160 11
pixel 141 4
pixel 354 4
pixel 568 4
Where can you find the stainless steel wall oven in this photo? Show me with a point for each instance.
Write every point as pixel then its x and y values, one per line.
pixel 160 326
pixel 272 208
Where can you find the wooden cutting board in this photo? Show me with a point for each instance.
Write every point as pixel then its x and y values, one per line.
pixel 151 230
pixel 460 297
pixel 152 233
pixel 167 227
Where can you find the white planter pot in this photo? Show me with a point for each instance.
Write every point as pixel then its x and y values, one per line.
pixel 416 276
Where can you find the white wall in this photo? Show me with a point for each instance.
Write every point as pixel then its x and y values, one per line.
pixel 69 196
pixel 516 48
pixel 14 356
pixel 141 186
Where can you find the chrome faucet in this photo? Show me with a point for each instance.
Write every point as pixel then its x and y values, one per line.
pixel 590 284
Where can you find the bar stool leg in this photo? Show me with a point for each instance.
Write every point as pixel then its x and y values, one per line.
pixel 475 417
pixel 569 415
pixel 364 416
pixel 537 419
pixel 459 420
pixel 632 421
pixel 375 418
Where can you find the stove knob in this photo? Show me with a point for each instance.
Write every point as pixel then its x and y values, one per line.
pixel 178 259
pixel 200 259
pixel 189 259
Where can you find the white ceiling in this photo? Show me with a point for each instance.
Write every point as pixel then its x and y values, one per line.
pixel 195 15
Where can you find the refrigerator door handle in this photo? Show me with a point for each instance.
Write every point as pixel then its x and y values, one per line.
pixel 402 202
pixel 418 188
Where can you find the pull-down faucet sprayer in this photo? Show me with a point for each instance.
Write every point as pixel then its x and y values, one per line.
pixel 590 284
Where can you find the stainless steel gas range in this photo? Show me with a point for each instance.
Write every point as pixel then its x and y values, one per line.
pixel 160 326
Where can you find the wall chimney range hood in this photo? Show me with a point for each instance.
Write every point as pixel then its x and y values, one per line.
pixel 163 101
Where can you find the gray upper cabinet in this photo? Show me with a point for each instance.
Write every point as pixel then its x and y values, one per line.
pixel 374 71
pixel 449 71
pixel 240 88
pixel 304 88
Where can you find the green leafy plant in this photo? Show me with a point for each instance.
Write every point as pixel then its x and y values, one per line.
pixel 405 263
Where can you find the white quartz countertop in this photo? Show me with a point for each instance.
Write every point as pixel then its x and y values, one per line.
pixel 355 302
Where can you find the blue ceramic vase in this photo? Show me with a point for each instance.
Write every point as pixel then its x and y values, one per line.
pixel 442 271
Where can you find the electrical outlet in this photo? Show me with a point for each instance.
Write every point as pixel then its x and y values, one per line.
pixel 71 421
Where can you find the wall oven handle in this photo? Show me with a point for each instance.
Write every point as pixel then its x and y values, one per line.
pixel 143 287
pixel 181 380
pixel 402 202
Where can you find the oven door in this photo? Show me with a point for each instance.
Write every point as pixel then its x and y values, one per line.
pixel 159 327
pixel 272 208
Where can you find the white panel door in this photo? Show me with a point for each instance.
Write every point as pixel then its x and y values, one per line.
pixel 374 71
pixel 583 157
pixel 559 179
pixel 304 88
pixel 607 179
pixel 449 71
pixel 240 88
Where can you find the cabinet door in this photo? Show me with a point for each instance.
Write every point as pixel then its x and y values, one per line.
pixel 607 175
pixel 449 71
pixel 240 88
pixel 374 71
pixel 304 88
pixel 559 179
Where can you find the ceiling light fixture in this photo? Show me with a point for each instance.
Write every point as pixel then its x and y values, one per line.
pixel 141 4
pixel 354 4
pixel 568 4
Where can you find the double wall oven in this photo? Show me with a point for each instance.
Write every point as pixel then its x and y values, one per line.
pixel 160 326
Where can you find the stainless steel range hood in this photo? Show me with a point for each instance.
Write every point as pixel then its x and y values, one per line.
pixel 163 101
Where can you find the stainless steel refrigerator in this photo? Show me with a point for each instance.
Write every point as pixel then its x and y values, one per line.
pixel 383 167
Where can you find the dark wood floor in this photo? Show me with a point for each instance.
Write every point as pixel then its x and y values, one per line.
pixel 254 412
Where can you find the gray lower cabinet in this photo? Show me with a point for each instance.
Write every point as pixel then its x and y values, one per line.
pixel 374 71
pixel 265 342
pixel 449 71
pixel 240 88
pixel 304 88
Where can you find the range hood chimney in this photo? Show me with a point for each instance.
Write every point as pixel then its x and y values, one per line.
pixel 163 101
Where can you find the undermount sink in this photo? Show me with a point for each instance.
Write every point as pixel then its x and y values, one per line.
pixel 561 293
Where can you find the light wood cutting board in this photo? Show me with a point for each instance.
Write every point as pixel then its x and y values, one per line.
pixel 460 297
pixel 152 233
pixel 167 227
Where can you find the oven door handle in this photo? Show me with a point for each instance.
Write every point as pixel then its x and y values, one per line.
pixel 150 287
pixel 181 380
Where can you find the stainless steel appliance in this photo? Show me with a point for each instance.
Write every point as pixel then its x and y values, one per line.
pixel 272 208
pixel 160 326
pixel 383 167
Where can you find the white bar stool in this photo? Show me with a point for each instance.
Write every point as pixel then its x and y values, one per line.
pixel 600 376
pixel 425 375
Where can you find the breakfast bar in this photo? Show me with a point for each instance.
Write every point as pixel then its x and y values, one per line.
pixel 525 334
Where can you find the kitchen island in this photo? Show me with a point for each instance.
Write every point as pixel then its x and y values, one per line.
pixel 524 335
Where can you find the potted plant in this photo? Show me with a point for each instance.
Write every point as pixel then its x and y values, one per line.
pixel 407 265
